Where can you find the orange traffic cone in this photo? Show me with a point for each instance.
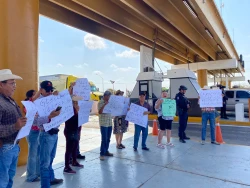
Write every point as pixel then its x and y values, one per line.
pixel 155 128
pixel 218 134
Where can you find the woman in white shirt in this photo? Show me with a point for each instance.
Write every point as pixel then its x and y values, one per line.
pixel 165 123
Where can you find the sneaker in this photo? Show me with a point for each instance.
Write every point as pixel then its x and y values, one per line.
pixel 56 181
pixel 170 144
pixel 160 146
pixel 109 154
pixel 145 148
pixel 77 165
pixel 215 143
pixel 186 138
pixel 68 171
pixel 203 142
pixel 135 149
pixel 79 156
pixel 102 158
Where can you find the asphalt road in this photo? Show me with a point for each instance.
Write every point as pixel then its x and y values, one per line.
pixel 238 135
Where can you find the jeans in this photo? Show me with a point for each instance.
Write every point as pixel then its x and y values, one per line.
pixel 48 144
pixel 183 118
pixel 8 163
pixel 33 163
pixel 138 130
pixel 106 135
pixel 205 117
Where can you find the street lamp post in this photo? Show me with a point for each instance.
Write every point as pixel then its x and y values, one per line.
pixel 102 82
pixel 113 82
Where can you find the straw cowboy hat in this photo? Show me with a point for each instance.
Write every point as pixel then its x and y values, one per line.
pixel 6 74
pixel 206 88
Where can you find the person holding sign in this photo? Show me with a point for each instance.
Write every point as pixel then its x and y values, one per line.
pixel 164 121
pixel 138 128
pixel 120 126
pixel 105 121
pixel 47 140
pixel 11 121
pixel 183 105
pixel 71 132
pixel 208 113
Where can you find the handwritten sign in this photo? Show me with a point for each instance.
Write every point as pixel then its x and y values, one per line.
pixel 115 105
pixel 169 107
pixel 84 112
pixel 82 88
pixel 125 106
pixel 30 115
pixel 210 98
pixel 47 104
pixel 135 115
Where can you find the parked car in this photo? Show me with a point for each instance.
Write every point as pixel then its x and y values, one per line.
pixel 237 96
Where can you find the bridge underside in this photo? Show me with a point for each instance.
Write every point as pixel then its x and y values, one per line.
pixel 178 35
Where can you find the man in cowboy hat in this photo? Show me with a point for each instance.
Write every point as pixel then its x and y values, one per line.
pixel 11 121
pixel 208 113
pixel 183 105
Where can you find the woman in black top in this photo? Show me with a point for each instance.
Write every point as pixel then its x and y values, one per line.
pixel 71 132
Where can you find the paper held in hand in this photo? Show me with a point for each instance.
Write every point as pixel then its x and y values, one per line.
pixel 47 104
pixel 82 88
pixel 84 112
pixel 210 98
pixel 115 105
pixel 30 115
pixel 169 107
pixel 135 115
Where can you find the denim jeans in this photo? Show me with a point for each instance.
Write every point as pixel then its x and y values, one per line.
pixel 48 144
pixel 205 117
pixel 8 162
pixel 138 130
pixel 33 163
pixel 106 135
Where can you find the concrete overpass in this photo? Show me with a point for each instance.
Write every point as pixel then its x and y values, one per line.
pixel 180 31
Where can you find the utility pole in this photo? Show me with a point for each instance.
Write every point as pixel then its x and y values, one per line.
pixel 102 82
pixel 113 82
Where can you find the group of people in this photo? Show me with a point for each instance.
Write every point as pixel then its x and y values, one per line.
pixel 42 144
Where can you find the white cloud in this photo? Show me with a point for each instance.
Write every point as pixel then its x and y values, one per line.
pixel 97 72
pixel 80 66
pixel 94 42
pixel 59 65
pixel 127 54
pixel 40 39
pixel 121 69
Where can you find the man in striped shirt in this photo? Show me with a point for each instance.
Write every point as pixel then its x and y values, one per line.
pixel 208 113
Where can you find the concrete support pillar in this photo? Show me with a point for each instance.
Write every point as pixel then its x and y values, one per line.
pixel 202 77
pixel 19 48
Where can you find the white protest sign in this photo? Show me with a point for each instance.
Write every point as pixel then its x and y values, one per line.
pixel 84 112
pixel 30 115
pixel 210 98
pixel 82 88
pixel 135 115
pixel 94 110
pixel 126 106
pixel 114 106
pixel 47 104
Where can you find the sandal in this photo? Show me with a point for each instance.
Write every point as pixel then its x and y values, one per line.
pixel 169 144
pixel 160 146
pixel 119 147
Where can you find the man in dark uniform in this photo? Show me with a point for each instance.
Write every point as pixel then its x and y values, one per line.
pixel 182 107
pixel 224 107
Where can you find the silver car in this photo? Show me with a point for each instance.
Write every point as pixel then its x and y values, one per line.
pixel 237 96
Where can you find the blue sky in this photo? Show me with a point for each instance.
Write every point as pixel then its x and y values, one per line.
pixel 65 50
